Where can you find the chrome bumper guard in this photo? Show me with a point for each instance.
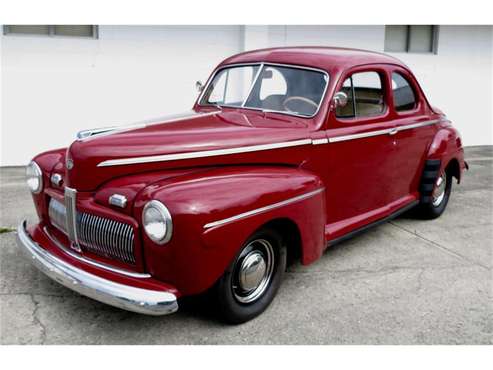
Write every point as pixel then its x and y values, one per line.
pixel 145 301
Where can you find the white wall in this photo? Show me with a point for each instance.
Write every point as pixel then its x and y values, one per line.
pixel 54 87
pixel 458 79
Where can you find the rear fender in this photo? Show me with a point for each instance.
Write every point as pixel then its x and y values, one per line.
pixel 447 148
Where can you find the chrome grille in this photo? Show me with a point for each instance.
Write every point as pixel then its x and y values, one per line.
pixel 71 214
pixel 58 215
pixel 95 234
pixel 106 237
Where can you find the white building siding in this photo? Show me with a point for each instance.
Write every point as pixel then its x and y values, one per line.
pixel 54 87
pixel 458 79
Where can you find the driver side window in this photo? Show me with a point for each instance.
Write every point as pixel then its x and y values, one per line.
pixel 365 96
pixel 347 111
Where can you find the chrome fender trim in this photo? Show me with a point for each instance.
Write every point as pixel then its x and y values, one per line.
pixel 263 209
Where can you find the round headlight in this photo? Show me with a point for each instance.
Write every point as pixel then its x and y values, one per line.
pixel 157 222
pixel 34 177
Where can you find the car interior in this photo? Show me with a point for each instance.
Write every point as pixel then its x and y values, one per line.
pixel 365 96
pixel 288 90
pixel 281 89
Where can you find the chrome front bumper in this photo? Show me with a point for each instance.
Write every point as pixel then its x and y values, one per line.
pixel 150 302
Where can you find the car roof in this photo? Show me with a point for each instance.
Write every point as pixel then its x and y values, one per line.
pixel 326 58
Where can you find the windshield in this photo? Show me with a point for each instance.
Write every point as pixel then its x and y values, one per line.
pixel 268 87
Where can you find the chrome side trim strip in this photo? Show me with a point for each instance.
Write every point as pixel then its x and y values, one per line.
pixel 263 209
pixel 127 297
pixel 204 153
pixel 91 262
pixel 336 139
pixel 255 148
pixel 320 141
pixel 417 125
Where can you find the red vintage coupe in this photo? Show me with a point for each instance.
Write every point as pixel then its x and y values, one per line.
pixel 286 152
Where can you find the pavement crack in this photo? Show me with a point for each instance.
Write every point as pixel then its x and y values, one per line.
pixel 382 271
pixel 38 294
pixel 420 280
pixel 37 320
pixel 441 247
pixel 357 273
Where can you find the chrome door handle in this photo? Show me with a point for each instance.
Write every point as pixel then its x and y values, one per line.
pixel 393 131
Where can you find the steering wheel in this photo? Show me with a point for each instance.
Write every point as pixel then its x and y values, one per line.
pixel 300 98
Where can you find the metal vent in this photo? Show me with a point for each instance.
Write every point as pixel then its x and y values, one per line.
pixel 58 215
pixel 106 237
pixel 99 235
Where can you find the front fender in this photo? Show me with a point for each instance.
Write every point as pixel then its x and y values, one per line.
pixel 215 211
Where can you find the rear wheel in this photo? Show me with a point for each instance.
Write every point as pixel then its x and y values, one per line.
pixel 250 283
pixel 439 197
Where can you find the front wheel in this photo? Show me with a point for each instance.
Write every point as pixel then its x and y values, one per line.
pixel 250 283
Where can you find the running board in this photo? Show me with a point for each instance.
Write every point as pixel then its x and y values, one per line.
pixel 381 221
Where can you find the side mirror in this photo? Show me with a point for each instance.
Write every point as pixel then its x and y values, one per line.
pixel 340 99
pixel 199 86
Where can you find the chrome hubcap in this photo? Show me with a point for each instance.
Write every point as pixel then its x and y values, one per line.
pixel 439 191
pixel 253 271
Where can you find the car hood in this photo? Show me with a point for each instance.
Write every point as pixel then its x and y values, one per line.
pixel 184 141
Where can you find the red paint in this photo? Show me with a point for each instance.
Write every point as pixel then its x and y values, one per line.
pixel 364 179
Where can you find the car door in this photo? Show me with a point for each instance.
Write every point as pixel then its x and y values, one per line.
pixel 415 132
pixel 360 152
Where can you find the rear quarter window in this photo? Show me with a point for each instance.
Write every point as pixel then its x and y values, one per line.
pixel 404 96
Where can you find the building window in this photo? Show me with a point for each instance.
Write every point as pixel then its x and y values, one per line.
pixel 88 31
pixel 411 39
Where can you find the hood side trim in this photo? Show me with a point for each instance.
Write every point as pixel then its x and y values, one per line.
pixel 204 153
pixel 86 135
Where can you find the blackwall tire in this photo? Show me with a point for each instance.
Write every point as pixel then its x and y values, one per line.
pixel 438 203
pixel 250 283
